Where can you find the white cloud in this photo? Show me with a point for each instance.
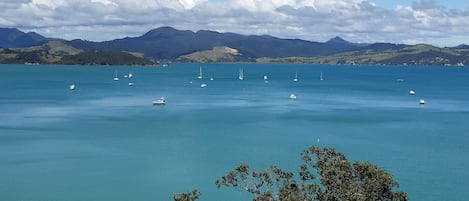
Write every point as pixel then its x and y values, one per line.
pixel 317 20
pixel 104 2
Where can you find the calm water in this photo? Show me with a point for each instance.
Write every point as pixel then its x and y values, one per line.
pixel 106 142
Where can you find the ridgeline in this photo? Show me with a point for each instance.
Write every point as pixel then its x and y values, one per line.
pixel 170 45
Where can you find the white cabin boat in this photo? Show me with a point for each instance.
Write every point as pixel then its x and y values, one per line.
pixel 292 96
pixel 72 87
pixel 160 101
pixel 411 92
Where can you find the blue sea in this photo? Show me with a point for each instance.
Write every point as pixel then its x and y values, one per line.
pixel 105 141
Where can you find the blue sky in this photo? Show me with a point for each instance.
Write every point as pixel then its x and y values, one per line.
pixel 436 22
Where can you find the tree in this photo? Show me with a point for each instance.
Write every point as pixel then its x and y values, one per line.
pixel 187 196
pixel 324 175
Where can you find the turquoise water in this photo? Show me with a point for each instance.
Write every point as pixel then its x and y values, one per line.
pixel 106 141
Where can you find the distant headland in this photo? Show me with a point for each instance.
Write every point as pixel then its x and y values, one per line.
pixel 167 44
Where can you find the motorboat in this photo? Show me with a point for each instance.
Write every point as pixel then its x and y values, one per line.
pixel 422 102
pixel 72 87
pixel 411 92
pixel 292 96
pixel 160 101
pixel 203 85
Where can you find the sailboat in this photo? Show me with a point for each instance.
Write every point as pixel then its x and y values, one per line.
pixel 266 79
pixel 115 77
pixel 320 77
pixel 296 77
pixel 241 74
pixel 200 73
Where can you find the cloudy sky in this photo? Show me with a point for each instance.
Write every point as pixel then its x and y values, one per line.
pixel 437 22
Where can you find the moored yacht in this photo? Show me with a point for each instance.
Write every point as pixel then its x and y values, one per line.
pixel 292 96
pixel 296 77
pixel 200 73
pixel 160 101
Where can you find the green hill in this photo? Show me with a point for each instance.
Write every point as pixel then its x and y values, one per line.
pixel 169 44
pixel 420 54
pixel 105 58
pixel 217 54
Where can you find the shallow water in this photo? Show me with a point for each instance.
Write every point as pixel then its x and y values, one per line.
pixel 106 141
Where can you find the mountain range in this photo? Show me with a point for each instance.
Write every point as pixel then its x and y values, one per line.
pixel 169 44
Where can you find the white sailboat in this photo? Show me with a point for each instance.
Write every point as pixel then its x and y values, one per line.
pixel 200 73
pixel 321 77
pixel 241 74
pixel 296 77
pixel 115 77
pixel 266 80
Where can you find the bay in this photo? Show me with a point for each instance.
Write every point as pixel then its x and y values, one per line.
pixel 106 141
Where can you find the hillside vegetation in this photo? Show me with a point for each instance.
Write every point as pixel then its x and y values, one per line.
pixel 167 44
pixel 409 55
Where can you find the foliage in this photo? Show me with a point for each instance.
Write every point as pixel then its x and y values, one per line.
pixel 105 58
pixel 19 56
pixel 187 196
pixel 324 175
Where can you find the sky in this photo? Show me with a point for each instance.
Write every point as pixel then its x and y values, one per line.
pixel 437 22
